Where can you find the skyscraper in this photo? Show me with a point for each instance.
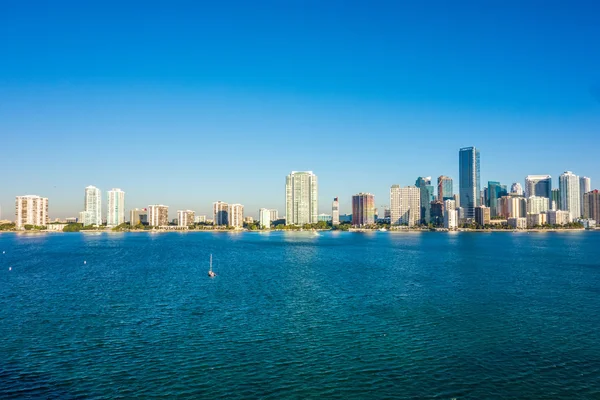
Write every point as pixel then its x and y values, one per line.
pixel 115 213
pixel 363 209
pixel 264 218
pixel 517 189
pixel 92 207
pixel 469 185
pixel 569 194
pixel 555 200
pixel 31 210
pixel 158 215
pixel 591 205
pixel 235 214
pixel 405 205
pixel 220 213
pixel 301 198
pixel 335 212
pixel 185 217
pixel 538 185
pixel 445 188
pixel 585 185
pixel 426 197
pixel 494 192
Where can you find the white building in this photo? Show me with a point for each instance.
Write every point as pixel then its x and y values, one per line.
pixel 273 214
pixel 450 205
pixel 405 205
pixel 235 215
pixel 569 194
pixel 517 223
pixel 185 217
pixel 92 206
pixel 335 212
pixel 534 220
pixel 301 198
pixel 220 213
pixel 31 210
pixel 264 218
pixel 517 189
pixel 450 218
pixel 115 213
pixel 558 217
pixel 537 204
pixel 585 186
pixel 200 219
pixel 158 215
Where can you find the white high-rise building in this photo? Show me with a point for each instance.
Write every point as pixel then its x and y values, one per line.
pixel 185 217
pixel 517 189
pixel 537 204
pixel 301 198
pixel 31 210
pixel 569 194
pixel 585 186
pixel 449 205
pixel 273 214
pixel 220 213
pixel 335 212
pixel 264 218
pixel 115 213
pixel 92 206
pixel 405 205
pixel 158 215
pixel 538 185
pixel 450 218
pixel 235 215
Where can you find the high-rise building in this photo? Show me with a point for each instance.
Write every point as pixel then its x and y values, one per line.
pixel 538 185
pixel 301 198
pixel 445 188
pixel 449 205
pixel 569 194
pixel 158 215
pixel 405 205
pixel 426 197
pixel 450 219
pixel 585 185
pixel 273 215
pixel 335 212
pixel 220 213
pixel 482 215
pixel 494 192
pixel 456 201
pixel 185 217
pixel 512 206
pixel 363 209
pixel 555 199
pixel 537 204
pixel 31 210
pixel 264 218
pixel 92 206
pixel 235 214
pixel 115 213
pixel 469 185
pixel 591 205
pixel 138 216
pixel 437 212
pixel 517 189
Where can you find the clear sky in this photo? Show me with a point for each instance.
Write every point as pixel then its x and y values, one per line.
pixel 186 103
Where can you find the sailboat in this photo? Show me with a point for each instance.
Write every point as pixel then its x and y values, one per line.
pixel 211 274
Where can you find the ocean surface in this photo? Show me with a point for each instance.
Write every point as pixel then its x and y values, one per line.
pixel 296 315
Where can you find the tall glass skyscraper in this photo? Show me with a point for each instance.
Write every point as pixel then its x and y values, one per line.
pixel 115 212
pixel 301 198
pixel 469 175
pixel 445 188
pixel 494 191
pixel 568 184
pixel 538 185
pixel 427 196
pixel 92 206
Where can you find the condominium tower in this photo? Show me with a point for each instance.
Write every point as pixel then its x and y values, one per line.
pixel 363 209
pixel 264 218
pixel 445 189
pixel 301 198
pixel 158 215
pixel 591 205
pixel 405 205
pixel 235 215
pixel 569 194
pixel 185 217
pixel 220 213
pixel 585 185
pixel 469 185
pixel 335 212
pixel 538 185
pixel 31 210
pixel 92 207
pixel 426 197
pixel 115 213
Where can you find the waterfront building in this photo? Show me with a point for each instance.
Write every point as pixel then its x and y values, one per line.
pixel 517 223
pixel 335 212
pixel 200 219
pixel 115 213
pixel 449 205
pixel 538 185
pixel 585 185
pixel 301 198
pixel 426 197
pixel 264 218
pixel 220 213
pixel 591 205
pixel 92 206
pixel 469 184
pixel 363 209
pixel 512 206
pixel 534 220
pixel 405 205
pixel 235 215
pixel 31 210
pixel 569 194
pixel 273 215
pixel 558 217
pixel 346 218
pixel 138 216
pixel 158 215
pixel 555 205
pixel 324 218
pixel 445 188
pixel 538 204
pixel 450 219
pixel 494 191
pixel 517 189
pixel 71 220
pixel 185 217
pixel 482 215
pixel 437 212
pixel 456 200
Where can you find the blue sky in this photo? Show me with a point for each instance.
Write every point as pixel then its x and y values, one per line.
pixel 186 103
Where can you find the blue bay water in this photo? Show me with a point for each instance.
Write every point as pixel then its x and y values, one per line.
pixel 295 315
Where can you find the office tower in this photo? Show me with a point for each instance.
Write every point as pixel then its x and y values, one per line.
pixel 591 205
pixel 405 205
pixel 335 212
pixel 445 188
pixel 482 215
pixel 220 210
pixel 516 189
pixel 264 218
pixel 158 215
pixel 273 215
pixel 585 185
pixel 538 185
pixel 495 191
pixel 555 204
pixel 31 210
pixel 538 204
pixel 301 198
pixel 185 217
pixel 115 213
pixel 92 206
pixel 450 219
pixel 437 212
pixel 558 217
pixel 569 194
pixel 426 197
pixel 469 185
pixel 138 217
pixel 363 209
pixel 235 215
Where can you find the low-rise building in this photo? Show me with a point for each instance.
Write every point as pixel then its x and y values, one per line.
pixel 534 220
pixel 199 219
pixel 558 217
pixel 517 223
pixel 324 218
pixel 482 215
pixel 138 216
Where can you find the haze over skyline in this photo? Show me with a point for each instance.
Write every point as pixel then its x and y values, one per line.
pixel 186 104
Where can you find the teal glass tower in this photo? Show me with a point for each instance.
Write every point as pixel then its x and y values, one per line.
pixel 469 185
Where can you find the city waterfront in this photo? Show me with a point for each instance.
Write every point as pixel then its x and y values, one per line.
pixel 300 314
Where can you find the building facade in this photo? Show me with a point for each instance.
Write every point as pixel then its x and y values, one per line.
pixel 115 212
pixel 558 217
pixel 235 215
pixel 469 184
pixel 92 206
pixel 494 191
pixel 185 217
pixel 450 219
pixel 538 185
pixel 555 200
pixel 426 197
pixel 482 215
pixel 591 205
pixel 158 215
pixel 569 194
pixel 585 185
pixel 138 216
pixel 405 205
pixel 537 204
pixel 517 223
pixel 220 213
pixel 301 198
pixel 535 220
pixel 517 189
pixel 363 209
pixel 437 212
pixel 512 206
pixel 264 218
pixel 335 211
pixel 31 210
pixel 445 188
